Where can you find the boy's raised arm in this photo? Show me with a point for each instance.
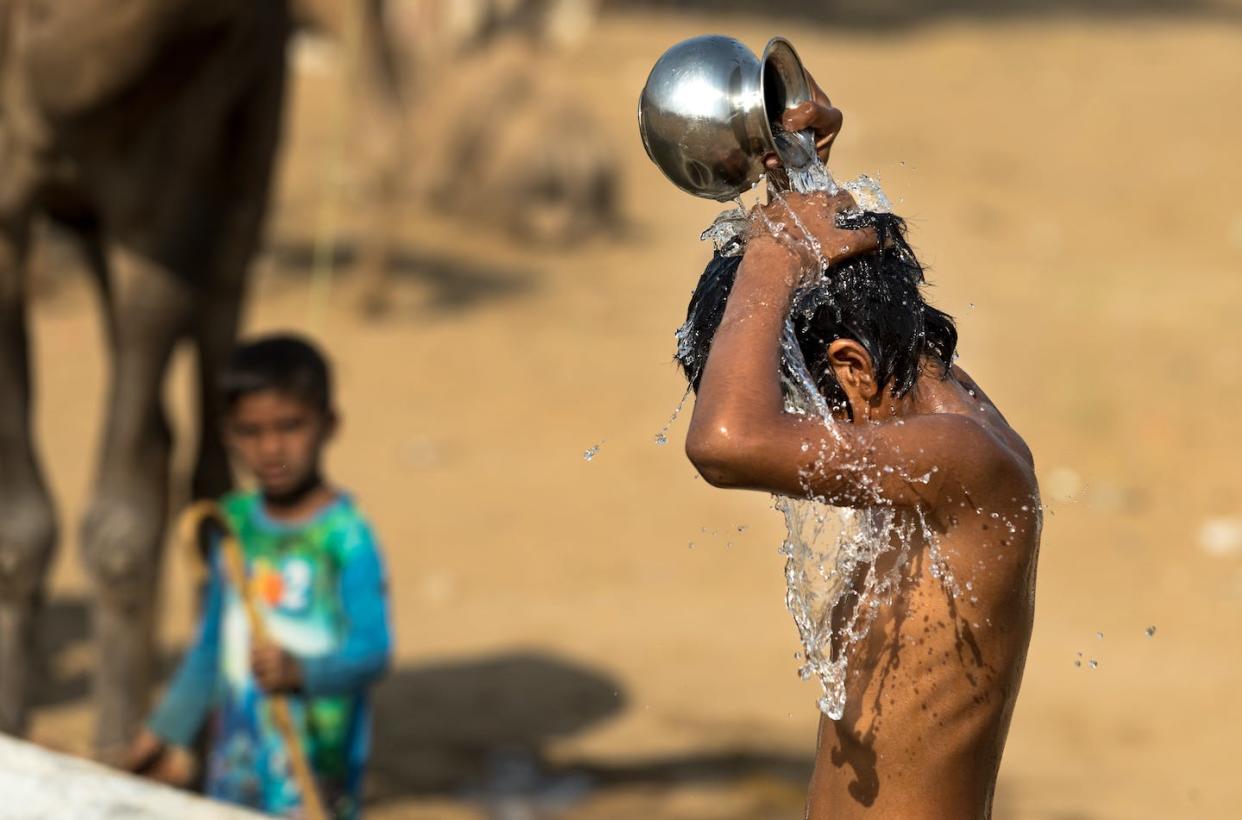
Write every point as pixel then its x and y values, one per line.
pixel 740 434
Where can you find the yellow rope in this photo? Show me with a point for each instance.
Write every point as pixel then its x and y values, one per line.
pixel 189 526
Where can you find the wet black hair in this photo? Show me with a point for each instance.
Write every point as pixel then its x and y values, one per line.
pixel 875 299
pixel 284 362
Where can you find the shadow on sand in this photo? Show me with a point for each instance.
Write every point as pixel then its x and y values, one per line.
pixel 65 626
pixel 477 729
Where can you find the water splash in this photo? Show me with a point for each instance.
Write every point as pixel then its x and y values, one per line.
pixel 728 232
pixel 806 172
pixel 869 195
pixel 592 451
pixel 661 436
pixel 843 566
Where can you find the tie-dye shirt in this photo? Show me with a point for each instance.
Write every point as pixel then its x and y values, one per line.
pixel 319 586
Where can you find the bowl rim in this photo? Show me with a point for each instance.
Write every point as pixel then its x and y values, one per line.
pixel 781 50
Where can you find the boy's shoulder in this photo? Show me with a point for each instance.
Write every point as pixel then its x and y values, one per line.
pixel 348 520
pixel 340 525
pixel 239 503
pixel 984 447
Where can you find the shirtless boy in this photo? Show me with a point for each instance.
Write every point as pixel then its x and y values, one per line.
pixel 930 691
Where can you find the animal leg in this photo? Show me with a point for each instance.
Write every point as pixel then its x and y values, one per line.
pixel 27 519
pixel 215 331
pixel 242 211
pixel 148 309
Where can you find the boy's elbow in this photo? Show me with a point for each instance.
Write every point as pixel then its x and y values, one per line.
pixel 385 662
pixel 380 661
pixel 719 453
pixel 378 668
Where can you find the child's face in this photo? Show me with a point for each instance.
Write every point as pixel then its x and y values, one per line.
pixel 278 437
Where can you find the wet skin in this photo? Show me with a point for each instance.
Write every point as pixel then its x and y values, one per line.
pixel 931 691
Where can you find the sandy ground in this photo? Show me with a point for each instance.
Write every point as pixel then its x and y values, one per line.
pixel 607 639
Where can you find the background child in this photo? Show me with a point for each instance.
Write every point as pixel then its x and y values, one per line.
pixel 317 580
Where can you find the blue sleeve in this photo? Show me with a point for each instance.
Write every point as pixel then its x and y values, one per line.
pixel 366 646
pixel 190 695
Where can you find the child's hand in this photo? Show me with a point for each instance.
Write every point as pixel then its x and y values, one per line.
pixel 816 215
pixel 144 753
pixel 275 669
pixel 151 757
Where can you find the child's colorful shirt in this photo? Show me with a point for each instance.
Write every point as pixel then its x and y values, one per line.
pixel 319 586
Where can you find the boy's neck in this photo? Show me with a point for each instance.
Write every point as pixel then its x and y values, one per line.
pixel 928 395
pixel 301 502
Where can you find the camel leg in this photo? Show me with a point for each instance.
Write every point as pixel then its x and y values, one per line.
pixel 27 519
pixel 248 164
pixel 215 329
pixel 148 309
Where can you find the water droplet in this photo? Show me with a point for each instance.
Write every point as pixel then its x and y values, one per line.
pixel 1100 635
pixel 1078 663
pixel 1150 631
pixel 591 452
pixel 1094 664
pixel 661 439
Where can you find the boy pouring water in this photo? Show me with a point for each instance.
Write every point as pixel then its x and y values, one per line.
pixel 932 684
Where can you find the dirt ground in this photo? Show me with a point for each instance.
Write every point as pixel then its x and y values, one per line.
pixel 607 638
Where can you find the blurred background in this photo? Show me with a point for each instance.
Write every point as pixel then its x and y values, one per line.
pixel 606 637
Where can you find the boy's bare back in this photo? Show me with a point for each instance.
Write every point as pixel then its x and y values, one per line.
pixel 931 691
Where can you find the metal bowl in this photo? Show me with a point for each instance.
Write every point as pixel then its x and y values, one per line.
pixel 708 110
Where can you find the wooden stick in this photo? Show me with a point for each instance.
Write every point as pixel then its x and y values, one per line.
pixel 190 523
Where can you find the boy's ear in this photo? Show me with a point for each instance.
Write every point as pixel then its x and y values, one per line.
pixel 851 364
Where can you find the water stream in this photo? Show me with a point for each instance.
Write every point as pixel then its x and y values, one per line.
pixel 842 565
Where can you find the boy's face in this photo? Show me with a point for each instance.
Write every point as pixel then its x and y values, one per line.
pixel 278 438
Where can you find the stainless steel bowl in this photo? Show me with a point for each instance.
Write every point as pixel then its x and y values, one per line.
pixel 708 110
